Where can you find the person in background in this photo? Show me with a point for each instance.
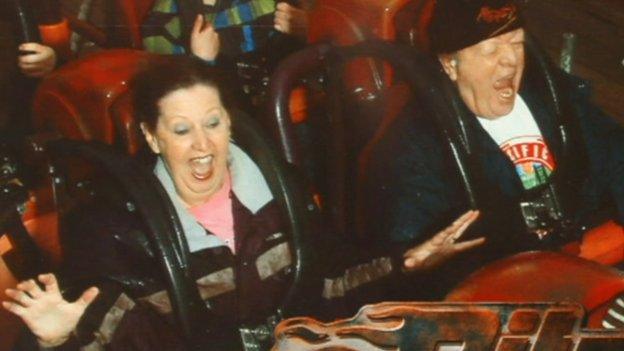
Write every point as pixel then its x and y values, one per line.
pixel 30 61
pixel 246 37
pixel 226 28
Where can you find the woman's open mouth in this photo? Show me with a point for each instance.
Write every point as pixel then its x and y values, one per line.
pixel 201 167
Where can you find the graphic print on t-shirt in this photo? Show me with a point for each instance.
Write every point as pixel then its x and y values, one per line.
pixel 519 137
pixel 532 159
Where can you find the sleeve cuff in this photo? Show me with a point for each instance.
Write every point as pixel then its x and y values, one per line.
pixel 70 344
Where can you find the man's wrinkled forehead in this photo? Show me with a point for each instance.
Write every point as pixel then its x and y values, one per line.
pixel 457 24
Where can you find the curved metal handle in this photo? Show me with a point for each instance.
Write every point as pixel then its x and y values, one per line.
pixel 283 81
pixel 26 23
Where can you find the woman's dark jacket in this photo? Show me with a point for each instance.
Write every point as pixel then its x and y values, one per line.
pixel 106 246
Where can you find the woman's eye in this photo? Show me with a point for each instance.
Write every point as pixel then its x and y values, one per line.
pixel 180 131
pixel 214 122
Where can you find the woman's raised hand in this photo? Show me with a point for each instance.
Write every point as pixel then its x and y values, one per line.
pixel 45 312
pixel 205 41
pixel 442 246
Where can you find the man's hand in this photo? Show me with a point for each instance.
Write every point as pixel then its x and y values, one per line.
pixel 45 312
pixel 291 20
pixel 39 60
pixel 442 246
pixel 204 40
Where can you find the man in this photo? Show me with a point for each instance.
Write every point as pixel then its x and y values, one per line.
pixel 525 190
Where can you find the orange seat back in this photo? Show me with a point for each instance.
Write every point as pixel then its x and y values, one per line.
pixel 349 22
pixel 83 99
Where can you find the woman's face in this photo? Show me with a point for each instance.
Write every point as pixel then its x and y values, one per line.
pixel 192 136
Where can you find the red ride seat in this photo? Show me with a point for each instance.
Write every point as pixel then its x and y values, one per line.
pixel 349 22
pixel 543 277
pixel 84 99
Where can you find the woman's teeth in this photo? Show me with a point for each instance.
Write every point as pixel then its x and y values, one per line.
pixel 203 160
pixel 201 167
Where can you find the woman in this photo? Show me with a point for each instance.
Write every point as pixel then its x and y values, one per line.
pixel 231 222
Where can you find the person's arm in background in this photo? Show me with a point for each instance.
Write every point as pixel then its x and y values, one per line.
pixel 205 41
pixel 36 60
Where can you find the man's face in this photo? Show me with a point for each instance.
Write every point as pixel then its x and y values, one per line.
pixel 488 73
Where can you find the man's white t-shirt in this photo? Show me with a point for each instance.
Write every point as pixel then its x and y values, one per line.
pixel 519 137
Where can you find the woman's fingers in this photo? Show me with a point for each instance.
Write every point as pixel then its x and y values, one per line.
pixel 466 220
pixel 409 262
pixel 467 245
pixel 14 308
pixel 49 282
pixel 451 233
pixel 88 296
pixel 461 220
pixel 19 296
pixel 442 245
pixel 456 229
pixel 32 288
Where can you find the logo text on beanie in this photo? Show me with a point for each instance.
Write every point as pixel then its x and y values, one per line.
pixel 490 15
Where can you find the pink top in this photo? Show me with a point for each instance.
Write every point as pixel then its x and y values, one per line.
pixel 216 214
